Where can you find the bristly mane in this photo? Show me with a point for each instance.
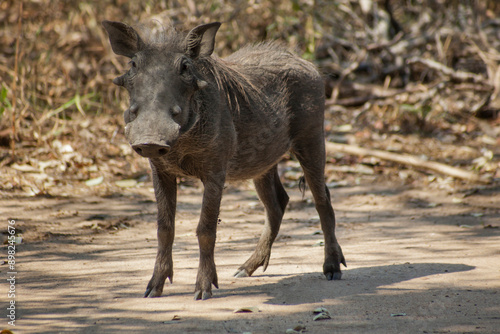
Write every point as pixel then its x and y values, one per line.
pixel 236 86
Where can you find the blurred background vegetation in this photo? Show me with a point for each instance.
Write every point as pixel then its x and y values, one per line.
pixel 415 76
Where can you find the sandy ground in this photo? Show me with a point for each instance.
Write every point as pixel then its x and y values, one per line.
pixel 418 262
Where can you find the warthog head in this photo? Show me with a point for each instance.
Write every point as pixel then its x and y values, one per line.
pixel 162 81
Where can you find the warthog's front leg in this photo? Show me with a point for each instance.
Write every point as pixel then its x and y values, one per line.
pixel 166 194
pixel 206 232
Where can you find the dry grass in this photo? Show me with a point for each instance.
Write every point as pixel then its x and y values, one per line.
pixel 56 69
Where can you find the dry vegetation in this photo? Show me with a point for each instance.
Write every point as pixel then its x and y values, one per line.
pixel 420 77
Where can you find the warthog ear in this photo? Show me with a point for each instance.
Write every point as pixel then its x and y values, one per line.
pixel 200 41
pixel 125 41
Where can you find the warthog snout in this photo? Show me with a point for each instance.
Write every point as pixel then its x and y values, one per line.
pixel 151 150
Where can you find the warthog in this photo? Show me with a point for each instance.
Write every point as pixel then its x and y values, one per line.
pixel 195 115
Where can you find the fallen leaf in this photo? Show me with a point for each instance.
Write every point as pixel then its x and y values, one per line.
pixel 296 330
pixel 321 314
pixel 66 149
pixel 398 314
pixel 94 182
pixel 94 226
pixel 32 191
pixel 253 309
pixel 488 140
pixel 320 310
pixel 24 168
pixel 127 183
pixel 489 226
pixel 318 243
pixel 343 128
pixel 176 319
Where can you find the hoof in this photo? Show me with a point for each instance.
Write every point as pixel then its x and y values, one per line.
pixel 152 293
pixel 241 273
pixel 198 295
pixel 336 276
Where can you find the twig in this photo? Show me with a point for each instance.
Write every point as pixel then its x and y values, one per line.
pixel 368 96
pixel 474 109
pixel 14 84
pixel 490 58
pixel 473 87
pixel 406 159
pixel 355 101
pixel 385 44
pixel 402 47
pixel 456 75
pixel 351 68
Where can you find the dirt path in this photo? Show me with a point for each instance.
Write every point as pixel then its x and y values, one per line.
pixel 418 262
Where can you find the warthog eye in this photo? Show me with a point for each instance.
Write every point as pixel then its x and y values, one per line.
pixel 133 68
pixel 185 67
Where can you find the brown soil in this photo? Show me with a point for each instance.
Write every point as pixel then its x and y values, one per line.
pixel 419 261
